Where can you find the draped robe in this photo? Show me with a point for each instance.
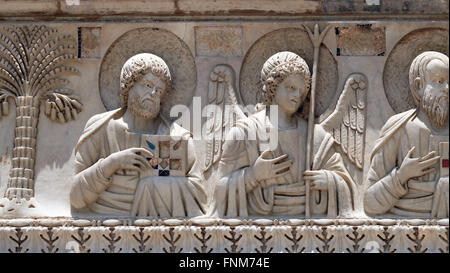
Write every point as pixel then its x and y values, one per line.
pixel 420 197
pixel 237 194
pixel 126 193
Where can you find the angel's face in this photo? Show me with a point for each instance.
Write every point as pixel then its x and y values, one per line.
pixel 288 94
pixel 145 96
pixel 435 101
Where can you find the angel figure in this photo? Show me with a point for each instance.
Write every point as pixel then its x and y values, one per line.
pixel 257 179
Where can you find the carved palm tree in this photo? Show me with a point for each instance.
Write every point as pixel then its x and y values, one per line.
pixel 33 60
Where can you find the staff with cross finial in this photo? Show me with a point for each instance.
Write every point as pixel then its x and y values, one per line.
pixel 316 39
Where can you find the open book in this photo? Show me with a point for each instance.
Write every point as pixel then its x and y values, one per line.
pixel 170 155
pixel 439 144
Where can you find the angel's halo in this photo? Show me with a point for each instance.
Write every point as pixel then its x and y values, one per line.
pixel 295 40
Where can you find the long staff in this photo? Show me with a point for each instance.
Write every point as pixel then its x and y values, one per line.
pixel 316 39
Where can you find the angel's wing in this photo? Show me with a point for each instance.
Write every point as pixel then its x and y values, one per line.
pixel 222 94
pixel 347 124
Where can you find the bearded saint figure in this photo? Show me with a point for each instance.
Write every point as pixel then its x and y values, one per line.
pixel 408 175
pixel 110 160
pixel 257 179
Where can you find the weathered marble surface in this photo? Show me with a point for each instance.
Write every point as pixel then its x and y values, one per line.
pixel 56 142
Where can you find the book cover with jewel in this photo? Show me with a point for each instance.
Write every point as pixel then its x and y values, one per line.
pixel 170 155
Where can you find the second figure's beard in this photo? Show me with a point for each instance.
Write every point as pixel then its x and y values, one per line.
pixel 144 109
pixel 436 109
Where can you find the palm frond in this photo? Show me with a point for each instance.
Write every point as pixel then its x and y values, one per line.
pixel 20 44
pixel 51 61
pixel 58 71
pixel 33 59
pixel 10 55
pixel 40 51
pixel 6 86
pixel 59 55
pixel 62 107
pixel 7 77
pixel 35 31
pixel 58 45
pixel 40 41
pixel 53 84
pixel 11 64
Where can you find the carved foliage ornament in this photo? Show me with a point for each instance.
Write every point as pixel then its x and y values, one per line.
pixel 33 61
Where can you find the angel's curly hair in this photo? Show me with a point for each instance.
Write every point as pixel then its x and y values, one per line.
pixel 135 69
pixel 277 68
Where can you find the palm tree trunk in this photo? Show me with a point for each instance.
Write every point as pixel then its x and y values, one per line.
pixel 21 176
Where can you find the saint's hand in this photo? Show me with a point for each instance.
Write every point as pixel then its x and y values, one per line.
pixel 318 180
pixel 413 167
pixel 264 169
pixel 133 159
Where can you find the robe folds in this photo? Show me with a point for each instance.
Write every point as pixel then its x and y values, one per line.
pixel 238 194
pixel 126 193
pixel 419 197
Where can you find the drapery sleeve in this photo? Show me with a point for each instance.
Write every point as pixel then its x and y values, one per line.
pixel 384 186
pixel 341 187
pixel 89 180
pixel 440 207
pixel 236 177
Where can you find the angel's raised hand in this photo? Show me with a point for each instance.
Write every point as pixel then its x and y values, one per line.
pixel 264 169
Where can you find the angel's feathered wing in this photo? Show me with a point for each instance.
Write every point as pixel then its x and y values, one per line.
pixel 222 94
pixel 347 124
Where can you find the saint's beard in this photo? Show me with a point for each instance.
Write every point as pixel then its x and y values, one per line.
pixel 436 108
pixel 145 109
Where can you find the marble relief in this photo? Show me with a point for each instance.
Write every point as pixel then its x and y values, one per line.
pixel 129 162
pixel 34 60
pixel 302 151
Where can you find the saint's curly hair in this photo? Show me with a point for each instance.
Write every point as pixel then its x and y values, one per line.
pixel 136 67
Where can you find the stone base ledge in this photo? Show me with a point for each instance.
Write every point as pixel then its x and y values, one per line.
pixel 201 221
pixel 224 235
